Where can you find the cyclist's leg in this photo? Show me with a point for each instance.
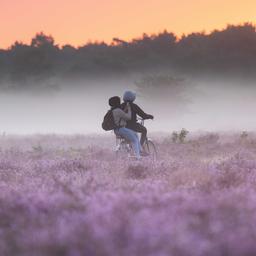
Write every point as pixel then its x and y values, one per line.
pixel 137 140
pixel 132 137
pixel 141 129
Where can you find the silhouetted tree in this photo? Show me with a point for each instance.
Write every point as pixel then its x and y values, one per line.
pixel 31 65
pixel 42 40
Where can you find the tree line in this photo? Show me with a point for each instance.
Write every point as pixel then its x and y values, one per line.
pixel 230 51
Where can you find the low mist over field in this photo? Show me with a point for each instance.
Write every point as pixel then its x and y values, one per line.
pixel 201 105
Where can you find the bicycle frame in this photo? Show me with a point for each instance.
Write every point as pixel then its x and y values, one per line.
pixel 122 145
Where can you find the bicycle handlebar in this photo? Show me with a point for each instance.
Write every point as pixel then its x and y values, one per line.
pixel 141 120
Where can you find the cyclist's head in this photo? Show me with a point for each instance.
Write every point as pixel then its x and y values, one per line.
pixel 114 101
pixel 129 96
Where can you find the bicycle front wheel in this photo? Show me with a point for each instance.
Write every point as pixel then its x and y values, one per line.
pixel 150 148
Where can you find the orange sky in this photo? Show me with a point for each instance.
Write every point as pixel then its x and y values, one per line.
pixel 77 21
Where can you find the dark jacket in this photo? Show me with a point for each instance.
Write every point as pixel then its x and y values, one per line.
pixel 136 110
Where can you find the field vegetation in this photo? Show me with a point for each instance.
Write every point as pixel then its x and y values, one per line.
pixel 68 195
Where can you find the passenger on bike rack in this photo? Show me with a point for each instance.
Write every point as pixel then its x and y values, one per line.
pixel 120 119
pixel 129 97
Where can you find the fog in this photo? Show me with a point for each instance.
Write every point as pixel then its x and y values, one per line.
pixel 79 107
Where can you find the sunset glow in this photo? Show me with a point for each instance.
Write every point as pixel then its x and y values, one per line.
pixel 78 21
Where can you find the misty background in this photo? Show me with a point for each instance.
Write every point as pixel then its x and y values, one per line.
pixel 198 82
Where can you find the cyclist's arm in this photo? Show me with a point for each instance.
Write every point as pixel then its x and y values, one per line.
pixel 141 113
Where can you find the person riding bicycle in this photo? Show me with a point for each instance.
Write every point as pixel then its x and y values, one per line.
pixel 120 119
pixel 129 97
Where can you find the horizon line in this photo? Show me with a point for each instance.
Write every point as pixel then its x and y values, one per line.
pixel 95 41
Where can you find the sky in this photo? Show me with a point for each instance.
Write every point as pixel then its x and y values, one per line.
pixel 76 22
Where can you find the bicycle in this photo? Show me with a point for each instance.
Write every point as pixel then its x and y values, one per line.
pixel 124 147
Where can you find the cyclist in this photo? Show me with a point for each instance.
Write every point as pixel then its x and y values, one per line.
pixel 129 97
pixel 120 120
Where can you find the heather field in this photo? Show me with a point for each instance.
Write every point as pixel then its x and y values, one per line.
pixel 69 196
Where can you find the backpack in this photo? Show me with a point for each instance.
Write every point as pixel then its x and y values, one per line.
pixel 108 122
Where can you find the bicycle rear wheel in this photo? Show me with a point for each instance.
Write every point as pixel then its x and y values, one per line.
pixel 124 151
pixel 150 148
